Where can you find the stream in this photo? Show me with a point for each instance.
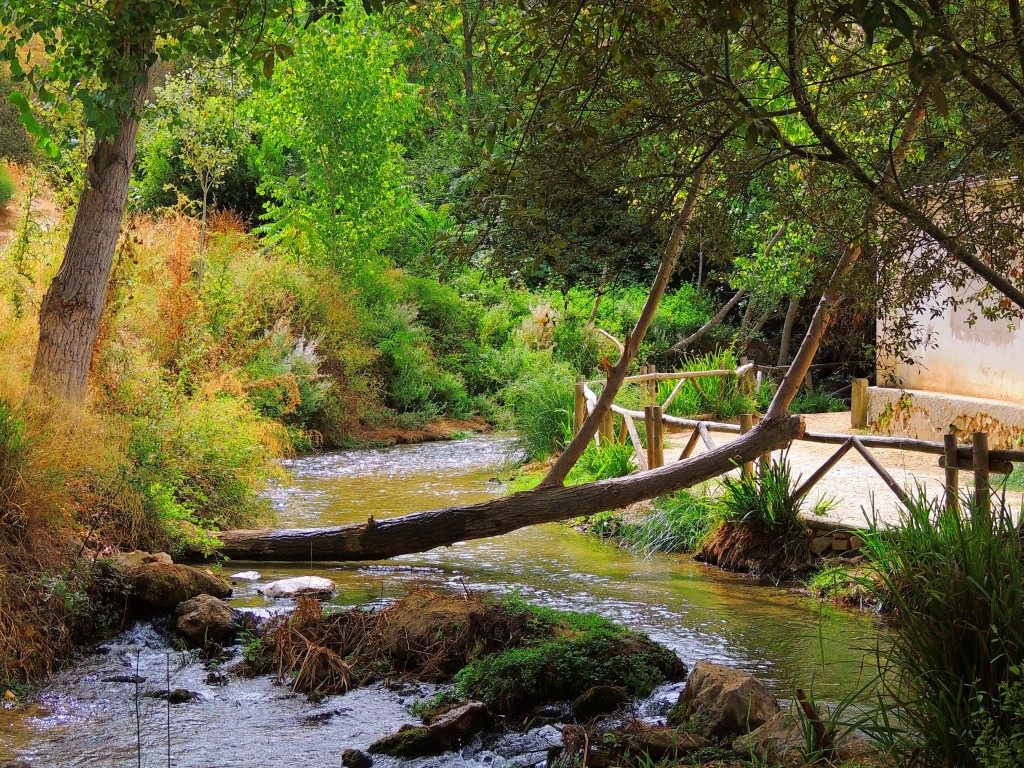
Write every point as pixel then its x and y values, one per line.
pixel 84 717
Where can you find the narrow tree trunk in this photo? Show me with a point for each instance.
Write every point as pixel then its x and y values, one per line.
pixel 381 539
pixel 631 344
pixel 69 316
pixel 468 28
pixel 787 329
pixel 682 345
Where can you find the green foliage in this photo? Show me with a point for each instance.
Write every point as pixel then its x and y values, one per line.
pixel 331 154
pixel 718 396
pixel 13 463
pixel 7 187
pixel 601 463
pixel 817 400
pixel 955 583
pixel 587 652
pixel 541 407
pixel 15 143
pixel 767 499
pixel 681 522
pixel 200 467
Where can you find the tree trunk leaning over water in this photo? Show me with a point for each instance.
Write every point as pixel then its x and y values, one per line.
pixel 631 344
pixel 382 539
pixel 69 316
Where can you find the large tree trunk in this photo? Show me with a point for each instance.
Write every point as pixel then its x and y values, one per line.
pixel 382 539
pixel 69 316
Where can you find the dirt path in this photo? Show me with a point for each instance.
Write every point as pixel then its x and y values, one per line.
pixel 857 492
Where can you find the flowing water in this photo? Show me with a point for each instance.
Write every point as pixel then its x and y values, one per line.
pixel 86 718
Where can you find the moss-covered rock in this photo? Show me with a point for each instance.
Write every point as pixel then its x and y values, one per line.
pixel 408 742
pixel 565 656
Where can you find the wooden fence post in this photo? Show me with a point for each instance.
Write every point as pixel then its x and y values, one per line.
pixel 653 425
pixel 652 385
pixel 747 424
pixel 981 476
pixel 859 404
pixel 607 428
pixel 952 472
pixel 579 411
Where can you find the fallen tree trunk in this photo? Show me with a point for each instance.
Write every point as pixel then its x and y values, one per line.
pixel 382 539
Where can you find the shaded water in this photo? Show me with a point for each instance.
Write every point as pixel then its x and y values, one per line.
pixel 786 638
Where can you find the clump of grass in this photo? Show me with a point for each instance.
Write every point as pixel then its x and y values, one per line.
pixel 817 400
pixel 717 396
pixel 681 522
pixel 952 670
pixel 601 463
pixel 541 406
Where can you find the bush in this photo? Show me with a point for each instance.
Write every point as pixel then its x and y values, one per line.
pixel 767 500
pixel 15 143
pixel 541 406
pixel 601 463
pixel 717 396
pixel 817 400
pixel 952 667
pixel 8 188
pixel 681 522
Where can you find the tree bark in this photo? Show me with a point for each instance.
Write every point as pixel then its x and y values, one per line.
pixel 69 315
pixel 382 539
pixel 631 344
pixel 787 329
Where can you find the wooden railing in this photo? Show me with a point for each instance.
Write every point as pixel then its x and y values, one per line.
pixel 953 457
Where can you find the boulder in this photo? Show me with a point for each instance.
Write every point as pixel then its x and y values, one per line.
pixel 203 619
pixel 246 576
pixel 446 731
pixel 452 728
pixel 408 742
pixel 782 742
pixel 160 587
pixel 314 586
pixel 599 701
pixel 724 701
pixel 353 758
pixel 138 557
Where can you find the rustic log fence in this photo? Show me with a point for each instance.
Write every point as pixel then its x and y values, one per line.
pixel 976 457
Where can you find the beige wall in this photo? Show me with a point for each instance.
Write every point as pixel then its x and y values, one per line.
pixel 984 360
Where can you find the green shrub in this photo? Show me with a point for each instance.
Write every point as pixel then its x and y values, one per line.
pixel 952 663
pixel 8 189
pixel 610 460
pixel 541 406
pixel 681 522
pixel 817 400
pixel 15 143
pixel 767 500
pixel 202 467
pixel 718 396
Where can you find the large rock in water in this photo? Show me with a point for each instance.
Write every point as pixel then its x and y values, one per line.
pixel 204 619
pixel 725 701
pixel 448 730
pixel 314 586
pixel 160 587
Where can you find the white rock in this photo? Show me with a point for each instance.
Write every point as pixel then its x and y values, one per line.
pixel 300 585
pixel 246 576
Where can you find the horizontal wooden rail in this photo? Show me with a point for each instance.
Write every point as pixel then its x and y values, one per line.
pixel 668 376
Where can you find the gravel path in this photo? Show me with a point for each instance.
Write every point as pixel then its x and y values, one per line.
pixel 856 491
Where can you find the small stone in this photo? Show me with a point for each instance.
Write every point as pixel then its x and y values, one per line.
pixel 314 586
pixel 124 679
pixel 246 576
pixel 840 545
pixel 177 696
pixel 820 545
pixel 599 701
pixel 353 758
pixel 856 542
